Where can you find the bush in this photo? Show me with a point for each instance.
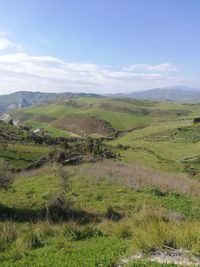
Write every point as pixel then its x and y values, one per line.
pixel 8 234
pixel 124 232
pixel 45 230
pixel 156 192
pixel 64 176
pixel 5 174
pixel 196 120
pixel 152 236
pixel 81 233
pixel 113 215
pixel 30 240
pixel 59 208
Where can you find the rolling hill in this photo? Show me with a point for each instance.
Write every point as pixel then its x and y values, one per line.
pixel 100 211
pixel 23 99
pixel 100 116
pixel 86 116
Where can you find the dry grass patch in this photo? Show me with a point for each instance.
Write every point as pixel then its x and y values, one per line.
pixel 136 176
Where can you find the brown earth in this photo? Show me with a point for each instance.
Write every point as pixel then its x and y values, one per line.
pixel 84 125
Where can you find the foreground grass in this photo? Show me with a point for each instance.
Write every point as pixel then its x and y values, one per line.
pixel 62 252
pixel 147 219
pixel 105 244
pixel 31 190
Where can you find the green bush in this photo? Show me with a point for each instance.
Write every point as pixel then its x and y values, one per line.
pixel 8 234
pixel 30 239
pixel 124 232
pixel 81 233
pixel 112 214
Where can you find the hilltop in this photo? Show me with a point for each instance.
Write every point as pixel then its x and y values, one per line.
pixel 23 99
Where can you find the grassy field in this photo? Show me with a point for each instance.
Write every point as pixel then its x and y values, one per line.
pixel 162 146
pixel 101 212
pixel 146 217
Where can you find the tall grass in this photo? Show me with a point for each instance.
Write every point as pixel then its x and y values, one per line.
pixel 136 176
pixel 151 230
pixel 8 234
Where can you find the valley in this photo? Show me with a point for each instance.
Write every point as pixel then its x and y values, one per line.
pixel 89 181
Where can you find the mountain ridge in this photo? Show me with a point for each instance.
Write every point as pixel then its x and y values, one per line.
pixel 174 94
pixel 23 99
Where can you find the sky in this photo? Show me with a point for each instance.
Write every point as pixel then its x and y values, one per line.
pixel 98 46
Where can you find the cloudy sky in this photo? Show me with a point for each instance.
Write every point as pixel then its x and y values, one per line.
pixel 102 46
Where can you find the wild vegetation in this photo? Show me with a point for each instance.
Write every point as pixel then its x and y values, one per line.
pixel 103 180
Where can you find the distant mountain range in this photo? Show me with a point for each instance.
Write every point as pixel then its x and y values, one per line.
pixel 173 94
pixel 23 99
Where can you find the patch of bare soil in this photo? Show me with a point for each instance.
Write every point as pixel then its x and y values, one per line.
pixel 169 256
pixel 84 124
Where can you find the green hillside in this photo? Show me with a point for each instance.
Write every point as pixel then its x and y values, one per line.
pixel 100 201
pixel 89 115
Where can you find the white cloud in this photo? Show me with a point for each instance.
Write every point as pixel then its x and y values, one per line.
pixel 20 71
pixel 5 43
pixel 165 67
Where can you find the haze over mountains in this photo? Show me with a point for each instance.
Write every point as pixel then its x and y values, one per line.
pixel 25 98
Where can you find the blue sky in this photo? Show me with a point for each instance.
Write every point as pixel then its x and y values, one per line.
pixel 98 45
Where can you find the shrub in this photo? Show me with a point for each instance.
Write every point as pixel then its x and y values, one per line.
pixel 81 233
pixel 64 176
pixel 156 191
pixel 45 230
pixel 151 236
pixel 59 208
pixel 124 232
pixel 196 120
pixel 57 155
pixel 112 214
pixel 5 174
pixel 30 239
pixel 8 234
